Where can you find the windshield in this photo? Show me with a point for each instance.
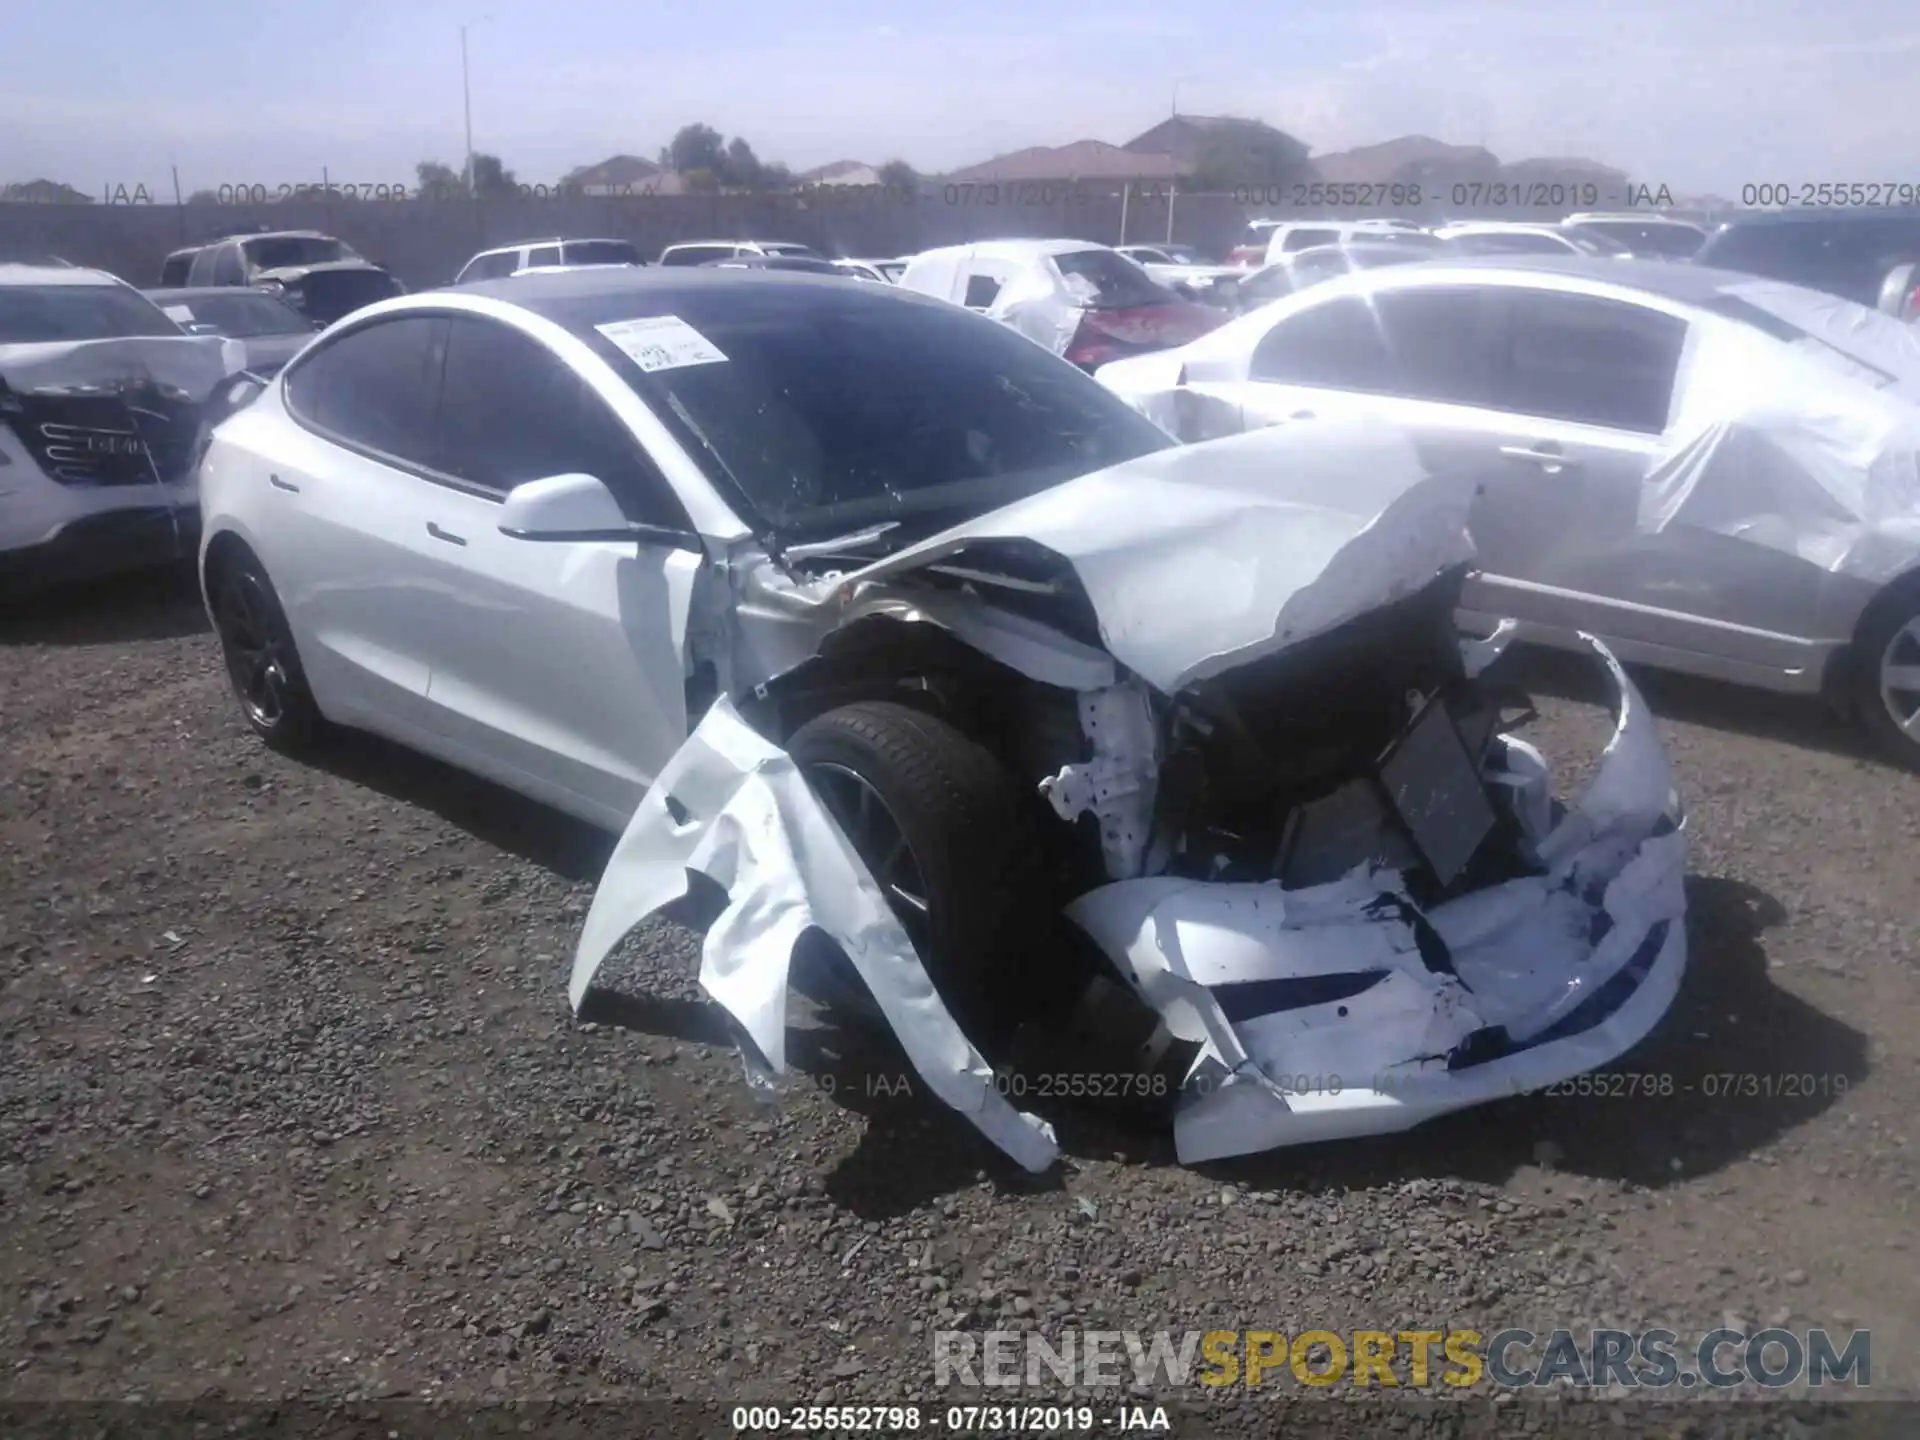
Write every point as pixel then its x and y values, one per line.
pixel 783 247
pixel 843 406
pixel 276 252
pixel 1102 280
pixel 241 315
pixel 37 314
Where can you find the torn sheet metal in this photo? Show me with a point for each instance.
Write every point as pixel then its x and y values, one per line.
pixel 1332 1011
pixel 734 807
pixel 190 365
pixel 1119 784
pixel 1039 306
pixel 1198 560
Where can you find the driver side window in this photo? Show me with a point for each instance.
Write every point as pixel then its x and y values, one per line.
pixel 511 411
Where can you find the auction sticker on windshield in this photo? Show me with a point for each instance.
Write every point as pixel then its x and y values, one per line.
pixel 661 342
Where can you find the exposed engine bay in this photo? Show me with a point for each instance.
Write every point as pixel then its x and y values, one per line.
pixel 1296 831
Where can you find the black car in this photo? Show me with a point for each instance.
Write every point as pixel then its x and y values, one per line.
pixel 1849 253
pixel 320 276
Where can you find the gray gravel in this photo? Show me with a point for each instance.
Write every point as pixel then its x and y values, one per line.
pixel 292 1103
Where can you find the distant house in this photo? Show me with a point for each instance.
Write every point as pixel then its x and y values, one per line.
pixel 840 172
pixel 617 175
pixel 1184 136
pixel 1409 160
pixel 1091 162
pixel 44 192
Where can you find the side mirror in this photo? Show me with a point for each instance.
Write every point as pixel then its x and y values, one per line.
pixel 575 508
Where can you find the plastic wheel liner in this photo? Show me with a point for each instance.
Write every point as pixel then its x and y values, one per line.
pixel 1337 1008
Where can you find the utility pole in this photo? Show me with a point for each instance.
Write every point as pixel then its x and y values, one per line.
pixel 466 98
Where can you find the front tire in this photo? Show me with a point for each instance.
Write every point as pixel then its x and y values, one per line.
pixel 1887 672
pixel 939 822
pixel 263 667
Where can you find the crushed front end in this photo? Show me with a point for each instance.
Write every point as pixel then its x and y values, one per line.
pixel 1286 820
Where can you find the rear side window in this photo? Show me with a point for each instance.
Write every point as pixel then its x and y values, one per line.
pixel 491 267
pixel 513 411
pixel 376 387
pixel 697 254
pixel 1306 239
pixel 1589 360
pixel 544 255
pixel 174 270
pixel 980 291
pixel 601 252
pixel 1335 346
pixel 227 267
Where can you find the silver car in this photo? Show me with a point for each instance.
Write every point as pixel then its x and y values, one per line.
pixel 1715 473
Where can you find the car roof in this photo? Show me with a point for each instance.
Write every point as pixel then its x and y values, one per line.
pixel 20 273
pixel 1821 217
pixel 579 298
pixel 1686 284
pixel 1015 249
pixel 1461 227
pixel 282 235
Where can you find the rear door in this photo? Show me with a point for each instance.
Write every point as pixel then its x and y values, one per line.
pixel 561 670
pixel 1585 386
pixel 347 542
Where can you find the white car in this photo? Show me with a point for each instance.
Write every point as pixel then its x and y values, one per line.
pixel 860 632
pixel 1711 472
pixel 1079 299
pixel 702 252
pixel 887 272
pixel 1519 237
pixel 102 399
pixel 1291 235
pixel 505 260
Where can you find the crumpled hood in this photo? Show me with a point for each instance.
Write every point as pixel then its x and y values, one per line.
pixel 190 364
pixel 1201 558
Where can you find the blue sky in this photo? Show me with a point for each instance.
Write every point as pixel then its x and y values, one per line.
pixel 1700 94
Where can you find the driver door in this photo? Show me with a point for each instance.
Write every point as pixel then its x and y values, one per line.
pixel 563 672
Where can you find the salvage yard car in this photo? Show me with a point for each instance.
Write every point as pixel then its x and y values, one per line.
pixel 102 402
pixel 505 260
pixel 321 277
pixel 1712 472
pixel 976 694
pixel 1078 299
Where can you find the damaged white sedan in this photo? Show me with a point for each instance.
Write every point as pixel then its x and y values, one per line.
pixel 983 703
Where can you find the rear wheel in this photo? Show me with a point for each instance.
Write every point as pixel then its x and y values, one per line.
pixel 262 665
pixel 938 820
pixel 1887 672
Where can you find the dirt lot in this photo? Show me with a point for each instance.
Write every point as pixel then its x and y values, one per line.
pixel 292 1103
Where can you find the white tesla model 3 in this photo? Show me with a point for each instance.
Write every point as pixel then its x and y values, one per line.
pixel 935 646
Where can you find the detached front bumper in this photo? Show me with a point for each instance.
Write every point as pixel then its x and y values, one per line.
pixel 1320 1013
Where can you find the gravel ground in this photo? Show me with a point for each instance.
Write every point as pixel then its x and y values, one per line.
pixel 292 1104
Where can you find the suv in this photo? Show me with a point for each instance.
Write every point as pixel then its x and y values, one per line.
pixel 321 277
pixel 699 252
pixel 505 260
pixel 1849 253
pixel 103 407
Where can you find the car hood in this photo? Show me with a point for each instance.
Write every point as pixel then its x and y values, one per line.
pixel 1199 559
pixel 285 273
pixel 189 364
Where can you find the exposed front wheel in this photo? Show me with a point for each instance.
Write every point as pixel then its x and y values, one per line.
pixel 938 820
pixel 1887 672
pixel 262 664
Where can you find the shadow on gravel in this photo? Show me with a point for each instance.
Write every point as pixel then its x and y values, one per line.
pixel 570 848
pixel 1736 1063
pixel 152 605
pixel 1800 720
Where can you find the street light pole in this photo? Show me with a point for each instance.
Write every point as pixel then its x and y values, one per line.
pixel 466 99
